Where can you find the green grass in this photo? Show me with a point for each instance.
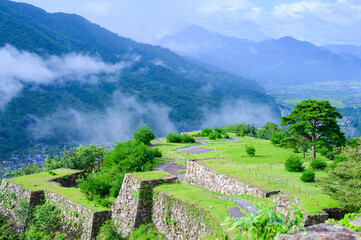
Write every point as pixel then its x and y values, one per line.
pixel 275 177
pixel 159 161
pixel 151 175
pixel 266 152
pixel 249 198
pixel 40 181
pixel 201 198
pixel 166 147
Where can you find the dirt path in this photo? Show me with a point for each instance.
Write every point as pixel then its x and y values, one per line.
pixel 171 168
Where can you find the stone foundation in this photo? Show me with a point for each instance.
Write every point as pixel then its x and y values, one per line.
pixel 180 220
pixel 133 206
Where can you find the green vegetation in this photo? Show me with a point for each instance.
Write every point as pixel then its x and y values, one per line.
pixel 318 163
pixel 308 175
pixel 40 181
pixel 346 221
pixel 294 164
pixel 151 175
pixel 144 135
pixel 199 197
pixel 316 122
pixel 251 151
pixel 176 138
pixel 267 223
pixel 343 182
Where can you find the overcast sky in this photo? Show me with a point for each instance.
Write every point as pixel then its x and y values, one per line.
pixel 326 21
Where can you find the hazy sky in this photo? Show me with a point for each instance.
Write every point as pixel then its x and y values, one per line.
pixel 326 21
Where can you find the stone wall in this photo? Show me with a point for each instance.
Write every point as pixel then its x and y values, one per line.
pixel 76 220
pixel 180 220
pixel 209 179
pixel 10 195
pixel 133 206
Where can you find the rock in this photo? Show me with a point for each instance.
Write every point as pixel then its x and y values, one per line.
pixel 323 231
pixel 356 221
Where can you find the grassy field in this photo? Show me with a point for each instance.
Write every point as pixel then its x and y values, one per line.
pixel 40 182
pixel 266 152
pixel 265 170
pixel 152 175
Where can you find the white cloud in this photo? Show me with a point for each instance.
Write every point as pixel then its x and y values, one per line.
pixel 115 123
pixel 22 67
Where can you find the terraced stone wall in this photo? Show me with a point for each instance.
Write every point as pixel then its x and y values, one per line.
pixel 76 220
pixel 180 220
pixel 209 179
pixel 133 206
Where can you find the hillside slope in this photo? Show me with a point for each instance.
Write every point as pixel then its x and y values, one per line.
pixel 155 85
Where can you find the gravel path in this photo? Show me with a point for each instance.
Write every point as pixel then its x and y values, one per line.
pixel 247 206
pixel 171 168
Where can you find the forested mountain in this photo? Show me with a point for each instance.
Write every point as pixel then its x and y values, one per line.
pixel 118 85
pixel 282 61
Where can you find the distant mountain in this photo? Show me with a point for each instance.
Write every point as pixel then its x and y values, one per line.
pixel 344 48
pixel 282 61
pixel 155 86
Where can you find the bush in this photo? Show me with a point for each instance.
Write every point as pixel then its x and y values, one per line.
pixel 185 138
pixel 318 163
pixel 156 152
pixel 206 132
pixel 337 160
pixel 144 135
pixel 226 136
pixel 308 175
pixel 218 135
pixel 251 151
pixel 95 186
pixel 218 130
pixel 240 133
pixel 46 217
pixel 268 223
pixel 108 231
pixel 294 164
pixel 173 138
pixel 212 136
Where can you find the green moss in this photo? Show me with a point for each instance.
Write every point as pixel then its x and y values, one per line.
pixel 152 175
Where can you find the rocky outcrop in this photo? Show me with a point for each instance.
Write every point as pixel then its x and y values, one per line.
pixel 322 232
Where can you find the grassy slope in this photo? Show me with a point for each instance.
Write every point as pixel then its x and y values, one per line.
pixel 269 165
pixel 40 182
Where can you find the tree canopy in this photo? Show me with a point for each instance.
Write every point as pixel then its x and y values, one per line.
pixel 316 122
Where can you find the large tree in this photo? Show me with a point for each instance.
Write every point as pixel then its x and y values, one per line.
pixel 316 122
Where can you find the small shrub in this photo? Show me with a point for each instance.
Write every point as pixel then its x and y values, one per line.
pixel 218 135
pixel 218 130
pixel 318 163
pixel 251 151
pixel 156 152
pixel 51 173
pixel 144 135
pixel 46 217
pixel 212 136
pixel 240 133
pixel 173 138
pixel 185 138
pixel 206 132
pixel 308 175
pixel 108 231
pixel 294 164
pixel 226 136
